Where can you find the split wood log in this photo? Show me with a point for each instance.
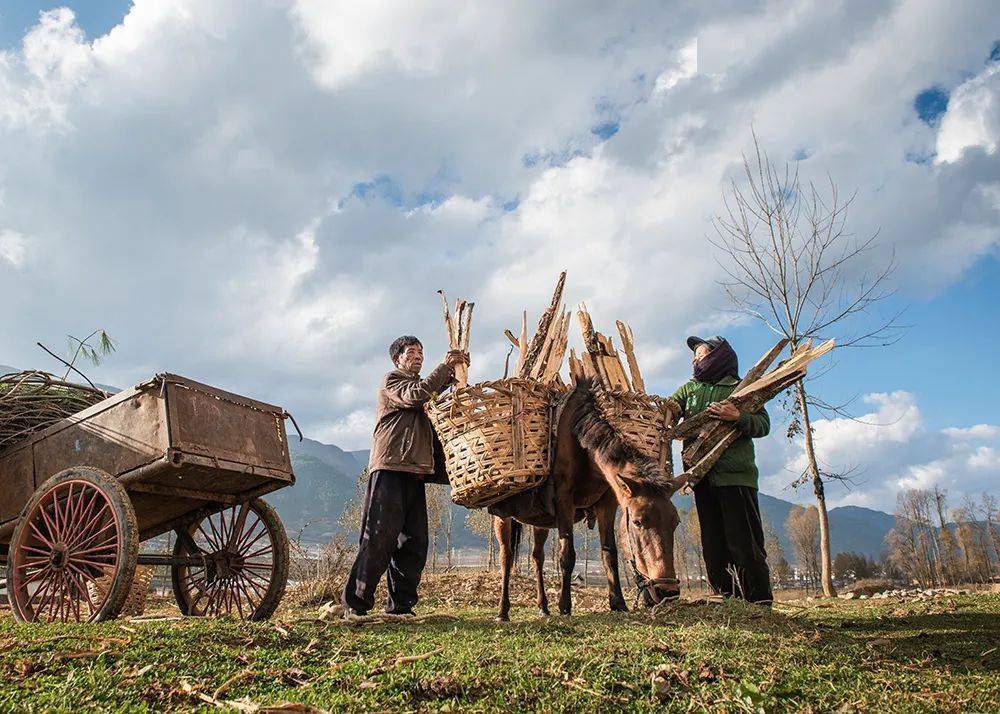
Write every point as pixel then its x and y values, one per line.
pixel 539 341
pixel 522 344
pixel 628 344
pixel 459 327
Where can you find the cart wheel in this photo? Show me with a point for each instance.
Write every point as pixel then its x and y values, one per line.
pixel 73 553
pixel 243 566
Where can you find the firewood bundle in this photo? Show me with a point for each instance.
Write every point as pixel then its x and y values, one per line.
pixel 640 419
pixel 542 357
pixel 496 435
pixel 601 362
pixel 33 400
pixel 753 392
pixel 458 327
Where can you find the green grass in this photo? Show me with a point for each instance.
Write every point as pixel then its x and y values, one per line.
pixel 825 656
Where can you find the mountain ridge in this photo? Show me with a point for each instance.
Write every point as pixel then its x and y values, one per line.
pixel 327 481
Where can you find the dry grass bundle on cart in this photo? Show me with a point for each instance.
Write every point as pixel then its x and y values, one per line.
pixel 496 434
pixel 642 419
pixel 753 392
pixel 33 400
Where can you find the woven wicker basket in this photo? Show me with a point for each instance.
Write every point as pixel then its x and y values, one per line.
pixel 495 437
pixel 135 603
pixel 641 420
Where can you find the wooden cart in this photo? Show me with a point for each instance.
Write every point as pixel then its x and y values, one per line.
pixel 170 454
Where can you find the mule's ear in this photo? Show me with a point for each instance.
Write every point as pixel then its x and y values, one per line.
pixel 625 486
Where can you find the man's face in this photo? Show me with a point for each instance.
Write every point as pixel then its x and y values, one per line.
pixel 412 359
pixel 700 353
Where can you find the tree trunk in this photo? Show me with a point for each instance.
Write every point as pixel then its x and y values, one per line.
pixel 451 523
pixel 826 574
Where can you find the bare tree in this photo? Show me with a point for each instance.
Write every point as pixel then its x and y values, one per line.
pixel 991 514
pixel 912 539
pixel 350 519
pixel 973 537
pixel 778 563
pixel 802 528
pixel 480 522
pixel 949 566
pixel 792 264
pixel 692 551
pixel 438 505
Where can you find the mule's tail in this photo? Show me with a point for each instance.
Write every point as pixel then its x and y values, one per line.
pixel 516 531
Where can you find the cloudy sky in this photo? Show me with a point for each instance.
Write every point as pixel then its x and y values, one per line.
pixel 262 194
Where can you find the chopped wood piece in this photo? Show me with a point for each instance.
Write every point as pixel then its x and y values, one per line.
pixel 510 336
pixel 447 321
pixel 763 363
pixel 536 349
pixel 628 344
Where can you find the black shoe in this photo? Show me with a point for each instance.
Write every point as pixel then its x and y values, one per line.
pixel 403 613
pixel 351 612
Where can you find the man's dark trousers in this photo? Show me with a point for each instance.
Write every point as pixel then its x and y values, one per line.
pixel 393 536
pixel 732 538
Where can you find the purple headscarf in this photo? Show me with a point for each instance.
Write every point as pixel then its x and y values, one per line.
pixel 720 362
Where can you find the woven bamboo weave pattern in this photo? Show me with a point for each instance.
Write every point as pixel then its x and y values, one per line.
pixel 495 437
pixel 642 420
pixel 135 604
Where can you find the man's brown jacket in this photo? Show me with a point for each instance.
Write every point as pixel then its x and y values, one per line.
pixel 404 439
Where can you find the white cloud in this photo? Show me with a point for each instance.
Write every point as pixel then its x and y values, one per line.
pixel 973 116
pixel 892 449
pixel 979 431
pixel 13 248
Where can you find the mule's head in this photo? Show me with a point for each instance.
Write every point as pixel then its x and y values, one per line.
pixel 649 519
pixel 643 492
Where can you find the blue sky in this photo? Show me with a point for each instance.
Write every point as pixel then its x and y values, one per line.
pixel 263 195
pixel 95 17
pixel 946 356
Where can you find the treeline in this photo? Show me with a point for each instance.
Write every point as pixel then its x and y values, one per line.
pixel 931 544
pixel 935 544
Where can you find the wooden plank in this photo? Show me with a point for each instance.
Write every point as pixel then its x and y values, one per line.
pixel 628 344
pixel 535 348
pixel 447 321
pixel 755 372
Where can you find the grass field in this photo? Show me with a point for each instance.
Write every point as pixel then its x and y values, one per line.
pixel 939 655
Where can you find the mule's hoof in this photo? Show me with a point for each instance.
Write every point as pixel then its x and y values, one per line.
pixel 565 611
pixel 543 612
pixel 618 606
pixel 503 618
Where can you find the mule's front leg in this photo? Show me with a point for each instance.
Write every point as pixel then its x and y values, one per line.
pixel 606 510
pixel 503 529
pixel 538 559
pixel 567 561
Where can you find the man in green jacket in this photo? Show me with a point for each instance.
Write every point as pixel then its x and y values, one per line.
pixel 732 537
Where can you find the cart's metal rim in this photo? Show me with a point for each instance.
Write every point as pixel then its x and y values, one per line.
pixel 14 588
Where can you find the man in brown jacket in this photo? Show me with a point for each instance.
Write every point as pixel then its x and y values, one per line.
pixel 394 521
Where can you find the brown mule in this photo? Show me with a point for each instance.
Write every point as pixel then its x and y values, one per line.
pixel 594 471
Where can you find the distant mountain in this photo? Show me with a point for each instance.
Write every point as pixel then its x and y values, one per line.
pixel 326 479
pixel 362 456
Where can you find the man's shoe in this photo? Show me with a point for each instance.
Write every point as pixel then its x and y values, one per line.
pixel 351 612
pixel 402 613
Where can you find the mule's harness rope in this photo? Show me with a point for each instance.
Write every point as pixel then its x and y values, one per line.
pixel 644 584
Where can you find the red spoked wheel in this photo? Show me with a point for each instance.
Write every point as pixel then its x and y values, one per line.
pixel 73 553
pixel 234 562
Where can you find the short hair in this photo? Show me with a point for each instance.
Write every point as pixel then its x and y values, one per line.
pixel 400 344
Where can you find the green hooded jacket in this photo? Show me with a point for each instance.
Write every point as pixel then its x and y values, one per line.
pixel 736 466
